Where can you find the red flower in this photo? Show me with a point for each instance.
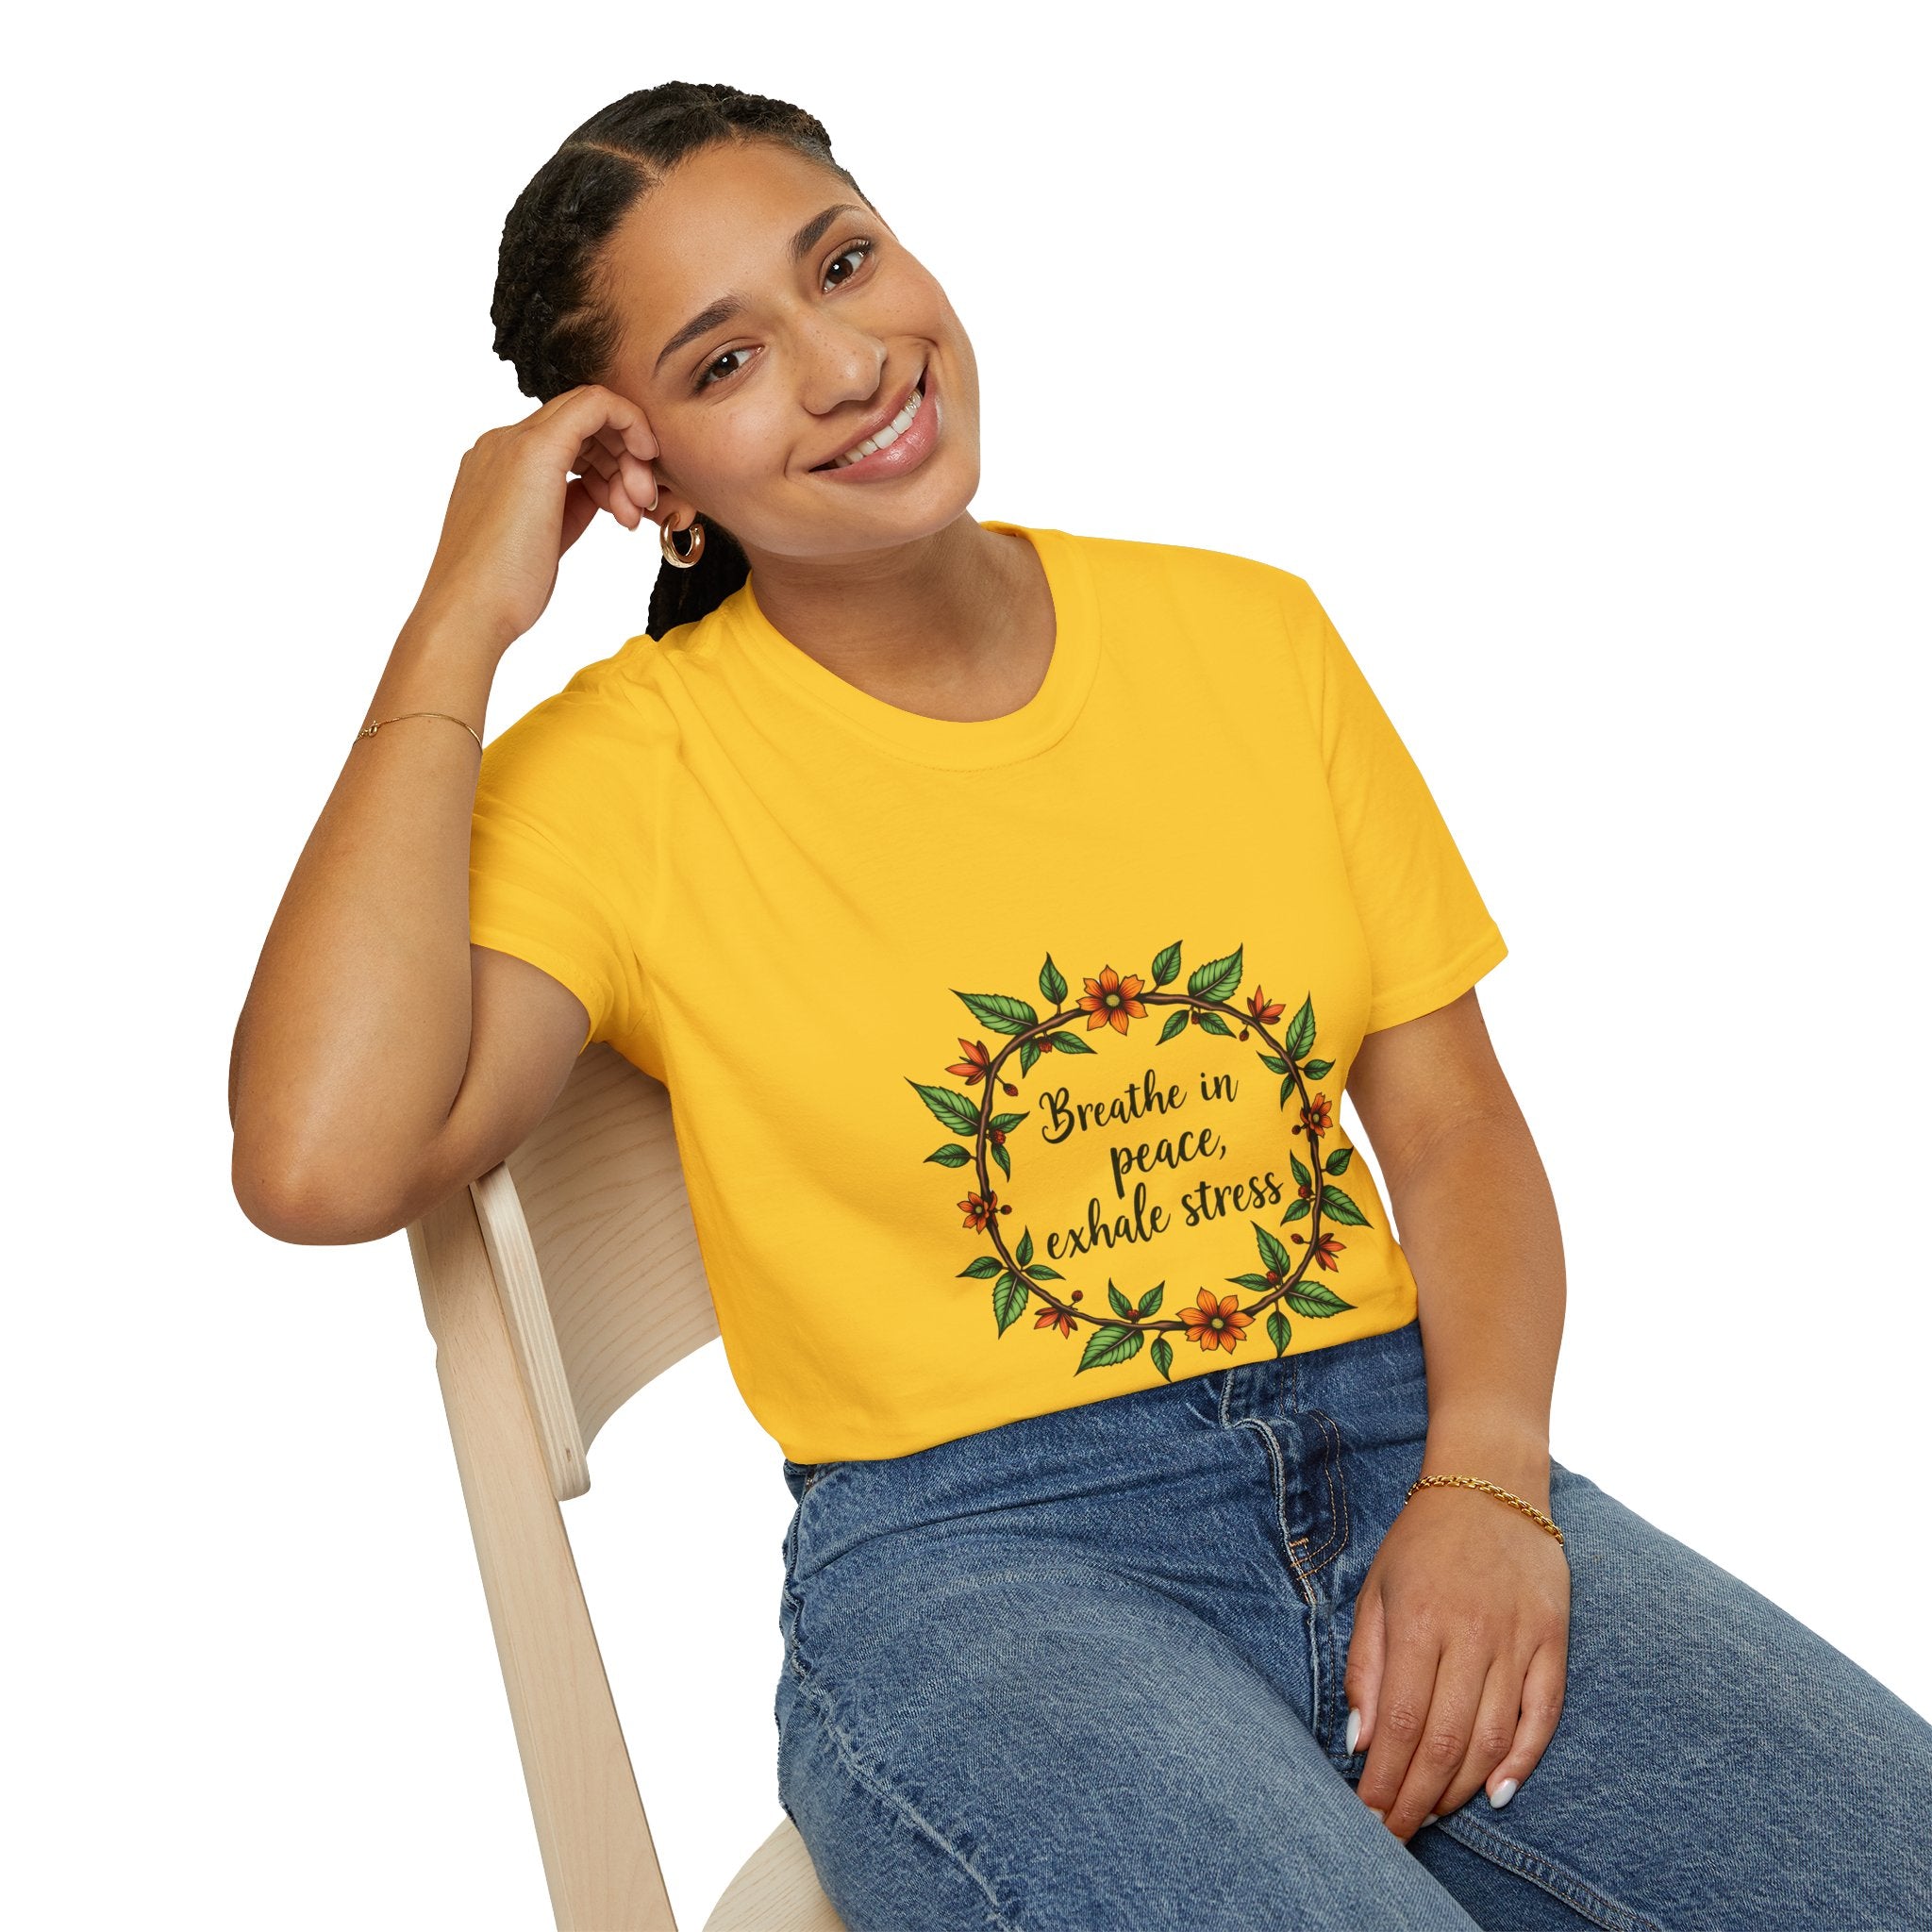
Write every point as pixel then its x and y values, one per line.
pixel 1109 1000
pixel 1215 1324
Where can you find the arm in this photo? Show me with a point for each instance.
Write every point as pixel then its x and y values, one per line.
pixel 1477 1221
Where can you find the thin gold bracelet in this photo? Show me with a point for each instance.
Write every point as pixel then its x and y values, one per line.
pixel 370 730
pixel 1474 1482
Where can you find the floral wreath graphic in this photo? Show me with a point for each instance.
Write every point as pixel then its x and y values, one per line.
pixel 1215 1323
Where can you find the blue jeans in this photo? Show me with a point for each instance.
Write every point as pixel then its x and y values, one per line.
pixel 1085 1671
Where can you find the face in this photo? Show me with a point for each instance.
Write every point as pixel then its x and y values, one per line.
pixel 751 407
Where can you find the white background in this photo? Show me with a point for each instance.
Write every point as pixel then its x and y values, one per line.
pixel 1577 359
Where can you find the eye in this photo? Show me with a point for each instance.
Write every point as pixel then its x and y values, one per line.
pixel 861 249
pixel 720 364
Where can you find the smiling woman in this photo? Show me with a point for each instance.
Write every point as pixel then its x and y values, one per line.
pixel 1173 1545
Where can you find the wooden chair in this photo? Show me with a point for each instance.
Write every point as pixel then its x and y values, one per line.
pixel 556 1285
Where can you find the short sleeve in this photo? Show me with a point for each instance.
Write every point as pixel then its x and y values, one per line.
pixel 1430 935
pixel 543 848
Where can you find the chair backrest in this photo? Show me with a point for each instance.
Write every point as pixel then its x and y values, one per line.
pixel 589 1232
pixel 556 1285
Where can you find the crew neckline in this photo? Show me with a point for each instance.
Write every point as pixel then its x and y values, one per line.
pixel 959 745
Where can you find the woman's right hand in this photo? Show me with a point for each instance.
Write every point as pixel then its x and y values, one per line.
pixel 523 495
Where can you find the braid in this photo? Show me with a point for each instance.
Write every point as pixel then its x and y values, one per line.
pixel 552 319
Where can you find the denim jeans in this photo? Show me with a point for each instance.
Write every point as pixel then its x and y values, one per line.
pixel 1085 1671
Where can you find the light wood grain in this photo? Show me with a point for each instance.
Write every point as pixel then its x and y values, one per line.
pixel 556 1285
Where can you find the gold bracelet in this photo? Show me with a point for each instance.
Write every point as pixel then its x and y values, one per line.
pixel 1472 1482
pixel 370 730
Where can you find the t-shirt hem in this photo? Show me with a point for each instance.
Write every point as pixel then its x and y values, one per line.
pixel 1412 1001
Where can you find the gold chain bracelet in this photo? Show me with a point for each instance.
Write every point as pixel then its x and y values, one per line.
pixel 370 730
pixel 1472 1482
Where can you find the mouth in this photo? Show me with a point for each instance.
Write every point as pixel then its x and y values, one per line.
pixel 911 420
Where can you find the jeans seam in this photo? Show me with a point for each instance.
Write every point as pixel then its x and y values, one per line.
pixel 1514 1856
pixel 896 1801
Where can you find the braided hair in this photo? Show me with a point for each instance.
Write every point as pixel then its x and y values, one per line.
pixel 552 317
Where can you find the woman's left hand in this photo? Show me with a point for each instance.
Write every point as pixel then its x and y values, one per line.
pixel 1459 1655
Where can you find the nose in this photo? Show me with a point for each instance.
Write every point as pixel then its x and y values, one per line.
pixel 839 364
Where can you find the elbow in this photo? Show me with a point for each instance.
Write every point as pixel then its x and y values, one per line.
pixel 310 1209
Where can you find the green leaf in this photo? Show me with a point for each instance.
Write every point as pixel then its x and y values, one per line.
pixel 951 1155
pixel 1040 1271
pixel 982 1266
pixel 952 1110
pixel 1318 1069
pixel 1108 1346
pixel 1338 1161
pixel 1009 1301
pixel 1312 1298
pixel 1167 962
pixel 1053 984
pixel 1274 1062
pixel 1177 1023
pixel 1287 1088
pixel 1303 1178
pixel 1301 1031
pixel 1122 1306
pixel 1213 1022
pixel 1161 1355
pixel 1005 1122
pixel 1000 1012
pixel 1029 1051
pixel 1069 1043
pixel 1259 1282
pixel 1219 979
pixel 1000 1155
pixel 1298 1210
pixel 1023 1253
pixel 1278 1330
pixel 1337 1206
pixel 1273 1256
pixel 1151 1300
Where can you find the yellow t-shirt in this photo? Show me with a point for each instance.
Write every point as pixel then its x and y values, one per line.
pixel 1005 1056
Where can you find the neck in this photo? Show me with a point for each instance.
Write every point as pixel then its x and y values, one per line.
pixel 932 617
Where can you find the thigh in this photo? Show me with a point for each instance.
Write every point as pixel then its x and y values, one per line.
pixel 986 1732
pixel 1718 1766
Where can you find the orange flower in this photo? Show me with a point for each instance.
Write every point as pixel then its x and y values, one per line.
pixel 978 1212
pixel 1053 1318
pixel 976 1063
pixel 1315 1121
pixel 1215 1324
pixel 1111 999
pixel 1326 1250
pixel 1258 1006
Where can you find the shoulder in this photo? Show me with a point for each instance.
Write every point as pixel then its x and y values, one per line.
pixel 597 724
pixel 1217 578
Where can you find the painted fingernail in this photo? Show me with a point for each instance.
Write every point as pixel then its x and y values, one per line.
pixel 1432 1817
pixel 1354 1730
pixel 1503 1794
pixel 1376 1815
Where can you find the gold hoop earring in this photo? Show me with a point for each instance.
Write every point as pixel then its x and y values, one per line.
pixel 667 542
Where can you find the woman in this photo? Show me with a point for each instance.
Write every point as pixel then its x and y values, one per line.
pixel 1005 912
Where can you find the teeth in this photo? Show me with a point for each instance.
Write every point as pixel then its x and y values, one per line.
pixel 889 435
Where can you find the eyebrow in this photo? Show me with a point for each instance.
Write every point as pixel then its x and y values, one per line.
pixel 722 310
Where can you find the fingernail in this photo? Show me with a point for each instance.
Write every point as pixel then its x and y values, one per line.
pixel 1376 1815
pixel 1503 1794
pixel 1354 1730
pixel 1432 1817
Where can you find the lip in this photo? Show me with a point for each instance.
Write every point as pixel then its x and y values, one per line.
pixel 905 452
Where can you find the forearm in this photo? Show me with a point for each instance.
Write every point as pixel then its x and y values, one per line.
pixel 1477 1221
